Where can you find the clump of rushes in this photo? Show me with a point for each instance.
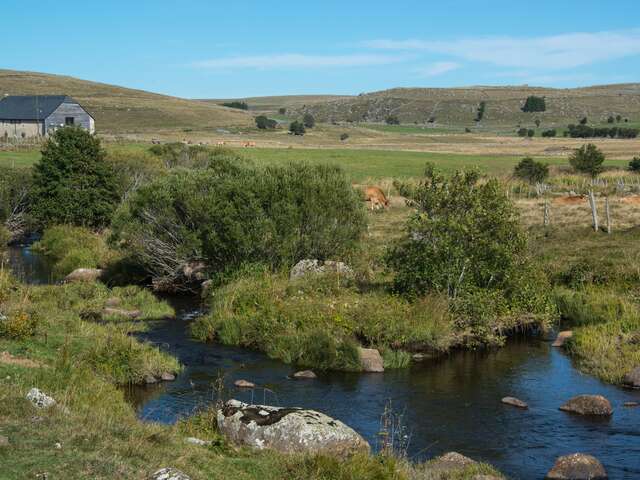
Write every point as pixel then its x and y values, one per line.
pixel 320 321
pixel 606 342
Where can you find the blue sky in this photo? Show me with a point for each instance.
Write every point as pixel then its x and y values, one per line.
pixel 210 49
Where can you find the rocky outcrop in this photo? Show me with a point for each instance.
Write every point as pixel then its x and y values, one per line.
pixel 84 275
pixel 288 430
pixel 562 338
pixel 588 405
pixel 632 379
pixel 446 464
pixel 577 466
pixel 40 399
pixel 371 360
pixel 317 267
pixel 304 374
pixel 515 402
pixel 169 474
pixel 244 384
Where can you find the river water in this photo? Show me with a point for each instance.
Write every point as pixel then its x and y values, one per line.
pixel 452 403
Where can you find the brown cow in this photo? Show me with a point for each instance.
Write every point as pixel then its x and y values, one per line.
pixel 376 196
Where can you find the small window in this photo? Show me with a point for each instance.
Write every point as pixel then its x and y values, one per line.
pixel 68 120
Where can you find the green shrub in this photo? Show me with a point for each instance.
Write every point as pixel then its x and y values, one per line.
pixel 308 120
pixel 587 159
pixel 550 133
pixel 392 120
pixel 344 136
pixel 634 165
pixel 531 171
pixel 18 324
pixel 72 182
pixel 265 123
pixel 134 169
pixel 232 215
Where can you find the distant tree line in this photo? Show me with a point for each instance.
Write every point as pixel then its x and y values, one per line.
pixel 534 104
pixel 585 131
pixel 236 104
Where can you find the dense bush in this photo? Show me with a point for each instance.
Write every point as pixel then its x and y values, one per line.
pixel 265 123
pixel 531 171
pixel 344 136
pixel 72 182
pixel 634 164
pixel 534 104
pixel 308 120
pixel 464 241
pixel 297 128
pixel 133 169
pixel 549 133
pixel 587 159
pixel 523 132
pixel 231 214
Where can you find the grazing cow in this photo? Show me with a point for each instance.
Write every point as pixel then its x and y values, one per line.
pixel 376 196
pixel 220 144
pixel 250 144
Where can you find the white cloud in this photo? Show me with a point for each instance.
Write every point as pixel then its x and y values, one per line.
pixel 551 52
pixel 437 68
pixel 291 60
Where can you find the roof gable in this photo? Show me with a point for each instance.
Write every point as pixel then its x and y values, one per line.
pixel 31 107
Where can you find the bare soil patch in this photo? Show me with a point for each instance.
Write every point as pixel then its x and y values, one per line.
pixel 8 359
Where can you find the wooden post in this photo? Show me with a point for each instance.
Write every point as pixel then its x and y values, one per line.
pixel 594 212
pixel 546 213
pixel 608 214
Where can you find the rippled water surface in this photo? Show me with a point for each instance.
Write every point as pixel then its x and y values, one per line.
pixel 449 404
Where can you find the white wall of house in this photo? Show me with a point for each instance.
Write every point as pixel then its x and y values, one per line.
pixel 66 111
pixel 20 129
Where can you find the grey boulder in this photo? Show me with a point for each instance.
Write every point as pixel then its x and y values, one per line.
pixel 588 405
pixel 317 267
pixel 632 379
pixel 40 399
pixel 169 473
pixel 84 275
pixel 288 430
pixel 371 360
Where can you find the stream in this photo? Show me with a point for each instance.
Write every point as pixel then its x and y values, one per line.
pixel 448 404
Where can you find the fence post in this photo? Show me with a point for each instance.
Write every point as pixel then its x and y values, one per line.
pixel 608 214
pixel 594 212
pixel 546 213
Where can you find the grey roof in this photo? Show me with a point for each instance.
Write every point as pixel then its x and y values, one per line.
pixel 31 107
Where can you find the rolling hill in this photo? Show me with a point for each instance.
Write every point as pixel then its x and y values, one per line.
pixel 458 106
pixel 124 110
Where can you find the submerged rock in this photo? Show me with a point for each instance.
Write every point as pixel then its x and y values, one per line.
pixel 288 430
pixel 244 384
pixel 631 404
pixel 562 338
pixel 316 267
pixel 84 275
pixel 577 466
pixel 169 474
pixel 304 374
pixel 514 402
pixel 119 312
pixel 632 379
pixel 167 377
pixel 40 399
pixel 371 360
pixel 588 405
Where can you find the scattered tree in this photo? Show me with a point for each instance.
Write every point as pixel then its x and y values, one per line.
pixel 534 104
pixel 618 118
pixel 634 165
pixel 282 111
pixel 523 132
pixel 265 123
pixel 308 120
pixel 611 119
pixel 537 122
pixel 531 171
pixel 480 111
pixel 587 159
pixel 531 133
pixel 550 133
pixel 297 128
pixel 583 121
pixel 344 137
pixel 72 182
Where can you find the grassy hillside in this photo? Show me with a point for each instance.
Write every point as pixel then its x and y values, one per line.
pixel 120 110
pixel 458 106
pixel 273 103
